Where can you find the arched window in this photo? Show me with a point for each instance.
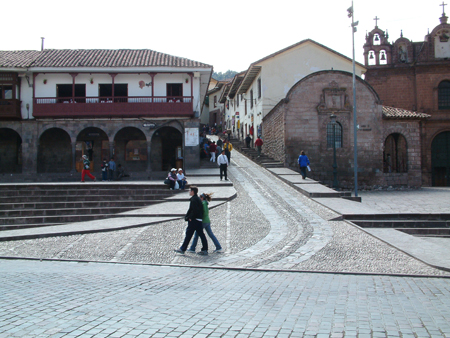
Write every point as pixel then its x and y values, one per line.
pixel 376 39
pixel 338 135
pixel 383 57
pixel 372 60
pixel 394 155
pixel 444 95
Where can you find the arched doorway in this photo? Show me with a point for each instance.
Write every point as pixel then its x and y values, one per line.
pixel 440 160
pixel 94 143
pixel 130 149
pixel 54 152
pixel 395 154
pixel 10 151
pixel 167 149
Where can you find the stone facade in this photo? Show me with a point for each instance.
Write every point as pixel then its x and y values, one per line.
pixel 412 77
pixel 301 121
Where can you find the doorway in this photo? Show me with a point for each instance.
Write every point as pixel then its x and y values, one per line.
pixel 440 160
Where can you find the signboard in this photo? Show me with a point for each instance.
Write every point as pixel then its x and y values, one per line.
pixel 149 125
pixel 191 138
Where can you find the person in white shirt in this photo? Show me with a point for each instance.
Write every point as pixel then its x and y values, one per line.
pixel 222 161
pixel 181 179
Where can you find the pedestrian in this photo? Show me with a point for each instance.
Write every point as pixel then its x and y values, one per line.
pixel 212 151
pixel 303 163
pixel 120 172
pixel 222 161
pixel 104 170
pixel 219 142
pixel 86 168
pixel 258 144
pixel 248 139
pixel 228 147
pixel 181 179
pixel 194 218
pixel 111 169
pixel 206 222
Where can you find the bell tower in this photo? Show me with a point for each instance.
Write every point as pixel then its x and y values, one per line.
pixel 377 49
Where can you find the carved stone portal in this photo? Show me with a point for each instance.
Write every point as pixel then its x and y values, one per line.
pixel 334 99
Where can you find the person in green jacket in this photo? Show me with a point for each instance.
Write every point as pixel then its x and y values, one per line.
pixel 206 225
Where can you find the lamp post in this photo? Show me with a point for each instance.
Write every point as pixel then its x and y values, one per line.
pixel 355 127
pixel 333 123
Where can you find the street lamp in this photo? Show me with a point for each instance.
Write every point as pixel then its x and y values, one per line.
pixel 333 124
pixel 355 127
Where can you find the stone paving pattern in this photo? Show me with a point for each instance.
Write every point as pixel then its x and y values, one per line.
pixel 268 226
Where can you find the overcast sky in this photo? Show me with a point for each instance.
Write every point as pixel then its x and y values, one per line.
pixel 228 34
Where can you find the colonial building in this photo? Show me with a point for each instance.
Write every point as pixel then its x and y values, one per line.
pixel 213 112
pixel 416 76
pixel 253 93
pixel 139 106
pixel 302 121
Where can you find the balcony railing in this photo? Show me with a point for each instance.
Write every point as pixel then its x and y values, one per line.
pixel 10 109
pixel 129 106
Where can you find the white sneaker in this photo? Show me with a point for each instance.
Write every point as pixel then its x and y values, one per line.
pixel 218 250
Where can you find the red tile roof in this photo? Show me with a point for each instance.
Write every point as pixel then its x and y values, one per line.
pixel 95 58
pixel 398 113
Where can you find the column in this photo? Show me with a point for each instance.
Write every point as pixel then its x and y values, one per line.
pixel 149 162
pixel 74 154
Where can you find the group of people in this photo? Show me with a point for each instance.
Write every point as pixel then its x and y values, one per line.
pixel 176 179
pixel 109 170
pixel 198 219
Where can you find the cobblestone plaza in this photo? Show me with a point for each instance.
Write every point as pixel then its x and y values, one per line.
pixel 287 270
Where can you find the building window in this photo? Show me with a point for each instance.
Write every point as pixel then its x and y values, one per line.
pixel 372 60
pixel 251 99
pixel 444 95
pixel 237 101
pixel 64 92
pixel 120 92
pixel 215 101
pixel 338 135
pixel 394 155
pixel 259 88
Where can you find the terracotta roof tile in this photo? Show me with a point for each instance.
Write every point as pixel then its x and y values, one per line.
pixel 398 113
pixel 17 58
pixel 94 58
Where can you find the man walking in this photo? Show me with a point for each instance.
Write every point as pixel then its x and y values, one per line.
pixel 222 161
pixel 248 139
pixel 258 144
pixel 194 217
pixel 228 147
pixel 212 151
pixel 111 169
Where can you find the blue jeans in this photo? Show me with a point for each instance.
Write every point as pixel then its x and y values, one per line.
pixel 181 184
pixel 207 227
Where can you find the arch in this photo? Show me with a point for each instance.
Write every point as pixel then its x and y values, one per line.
pixel 382 60
pixel 94 143
pixel 54 151
pixel 372 58
pixel 395 154
pixel 130 149
pixel 440 159
pixel 166 145
pixel 49 126
pixel 376 39
pixel 444 95
pixel 10 151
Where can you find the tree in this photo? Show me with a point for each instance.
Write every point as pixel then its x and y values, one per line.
pixel 229 74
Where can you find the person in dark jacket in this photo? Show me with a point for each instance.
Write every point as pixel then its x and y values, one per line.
pixel 194 217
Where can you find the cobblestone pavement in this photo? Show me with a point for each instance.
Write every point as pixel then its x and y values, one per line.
pixel 67 299
pixel 269 226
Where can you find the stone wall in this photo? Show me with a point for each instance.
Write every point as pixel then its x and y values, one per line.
pixel 274 135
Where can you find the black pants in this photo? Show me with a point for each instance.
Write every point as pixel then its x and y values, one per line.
pixel 192 227
pixel 223 171
pixel 303 172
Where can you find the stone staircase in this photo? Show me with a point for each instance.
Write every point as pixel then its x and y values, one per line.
pixel 252 154
pixel 35 205
pixel 420 225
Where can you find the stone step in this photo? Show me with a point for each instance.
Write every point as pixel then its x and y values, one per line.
pixel 402 223
pixel 89 198
pixel 162 190
pixel 11 215
pixel 77 204
pixel 273 165
pixel 427 232
pixel 396 217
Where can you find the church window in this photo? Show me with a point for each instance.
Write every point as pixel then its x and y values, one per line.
pixel 372 60
pixel 394 154
pixel 383 57
pixel 402 54
pixel 338 135
pixel 444 95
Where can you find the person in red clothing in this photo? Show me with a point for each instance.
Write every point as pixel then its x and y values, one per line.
pixel 86 167
pixel 258 144
pixel 212 151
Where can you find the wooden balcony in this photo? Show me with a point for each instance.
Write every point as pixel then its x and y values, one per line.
pixel 119 107
pixel 10 109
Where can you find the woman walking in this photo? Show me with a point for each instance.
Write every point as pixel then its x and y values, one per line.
pixel 303 163
pixel 206 225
